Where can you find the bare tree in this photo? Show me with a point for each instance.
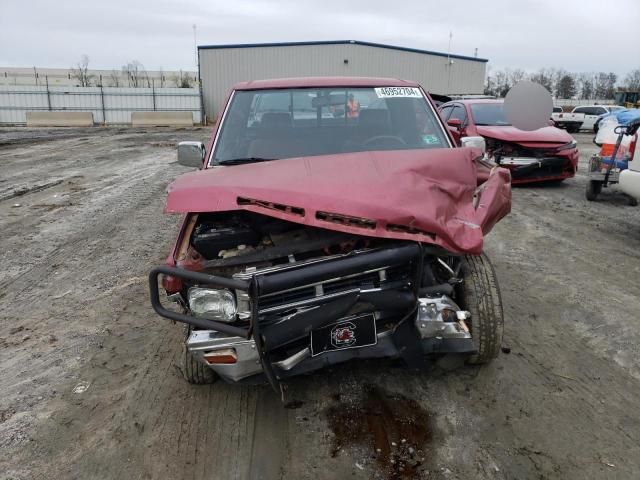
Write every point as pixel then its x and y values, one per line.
pixel 136 74
pixel 81 73
pixel 502 83
pixel 584 83
pixel 146 78
pixel 114 78
pixel 632 80
pixel 517 76
pixel 182 80
pixel 557 76
pixel 489 83
pixel 612 78
pixel 544 77
pixel 561 83
pixel 604 84
pixel 499 82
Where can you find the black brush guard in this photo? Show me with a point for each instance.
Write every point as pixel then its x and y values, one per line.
pixel 275 336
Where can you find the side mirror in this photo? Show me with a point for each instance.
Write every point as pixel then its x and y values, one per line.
pixel 454 122
pixel 475 142
pixel 191 154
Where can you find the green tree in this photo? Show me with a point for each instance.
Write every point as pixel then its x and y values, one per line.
pixel 566 87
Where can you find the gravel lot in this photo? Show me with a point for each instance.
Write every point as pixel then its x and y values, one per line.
pixel 90 387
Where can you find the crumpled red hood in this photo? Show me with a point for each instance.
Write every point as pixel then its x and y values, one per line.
pixel 512 134
pixel 420 195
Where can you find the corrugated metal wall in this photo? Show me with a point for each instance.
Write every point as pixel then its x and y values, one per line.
pixel 108 105
pixel 220 68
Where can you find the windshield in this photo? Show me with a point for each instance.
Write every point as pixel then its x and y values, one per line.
pixel 284 123
pixel 489 114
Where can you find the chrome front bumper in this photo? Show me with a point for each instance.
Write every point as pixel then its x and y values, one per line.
pixel 440 327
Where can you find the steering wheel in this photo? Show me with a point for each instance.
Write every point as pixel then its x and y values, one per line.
pixel 382 139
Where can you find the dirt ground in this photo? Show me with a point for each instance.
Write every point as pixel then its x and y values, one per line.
pixel 88 377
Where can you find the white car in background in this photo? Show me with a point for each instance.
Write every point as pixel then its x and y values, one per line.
pixel 584 117
pixel 589 114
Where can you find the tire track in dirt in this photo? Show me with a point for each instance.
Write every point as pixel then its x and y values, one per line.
pixel 559 406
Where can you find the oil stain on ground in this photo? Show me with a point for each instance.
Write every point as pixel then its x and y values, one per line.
pixel 393 429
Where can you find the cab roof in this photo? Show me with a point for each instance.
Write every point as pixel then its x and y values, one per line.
pixel 305 82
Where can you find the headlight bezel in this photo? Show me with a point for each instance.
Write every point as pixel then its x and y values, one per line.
pixel 568 146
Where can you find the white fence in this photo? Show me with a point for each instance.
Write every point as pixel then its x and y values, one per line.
pixel 109 105
pixel 575 103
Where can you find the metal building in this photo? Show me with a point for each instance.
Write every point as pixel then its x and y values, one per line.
pixel 220 66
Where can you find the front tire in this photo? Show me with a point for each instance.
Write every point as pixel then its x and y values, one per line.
pixel 480 295
pixel 594 187
pixel 193 371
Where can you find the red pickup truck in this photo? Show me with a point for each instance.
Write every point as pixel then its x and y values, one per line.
pixel 312 237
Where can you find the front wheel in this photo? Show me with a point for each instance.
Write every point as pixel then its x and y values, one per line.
pixel 594 187
pixel 194 371
pixel 480 295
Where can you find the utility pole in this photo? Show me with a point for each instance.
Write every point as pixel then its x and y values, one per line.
pixel 449 63
pixel 195 44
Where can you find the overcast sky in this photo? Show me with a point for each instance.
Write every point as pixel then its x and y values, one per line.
pixel 529 34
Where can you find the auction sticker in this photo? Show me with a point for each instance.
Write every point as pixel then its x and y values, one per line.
pixel 389 92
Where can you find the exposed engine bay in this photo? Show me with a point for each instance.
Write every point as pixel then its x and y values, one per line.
pixel 311 280
pixel 526 162
pixel 255 238
pixel 246 241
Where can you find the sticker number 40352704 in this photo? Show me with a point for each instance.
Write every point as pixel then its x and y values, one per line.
pixel 387 92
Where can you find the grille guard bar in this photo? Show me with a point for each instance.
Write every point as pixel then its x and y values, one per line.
pixel 257 286
pixel 203 279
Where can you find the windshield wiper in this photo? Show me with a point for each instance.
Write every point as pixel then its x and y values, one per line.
pixel 240 161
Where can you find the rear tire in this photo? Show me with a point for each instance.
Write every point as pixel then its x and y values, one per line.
pixel 633 202
pixel 193 371
pixel 480 295
pixel 594 187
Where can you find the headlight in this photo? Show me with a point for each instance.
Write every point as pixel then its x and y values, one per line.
pixel 213 304
pixel 567 146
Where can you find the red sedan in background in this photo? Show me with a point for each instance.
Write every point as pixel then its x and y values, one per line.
pixel 547 154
